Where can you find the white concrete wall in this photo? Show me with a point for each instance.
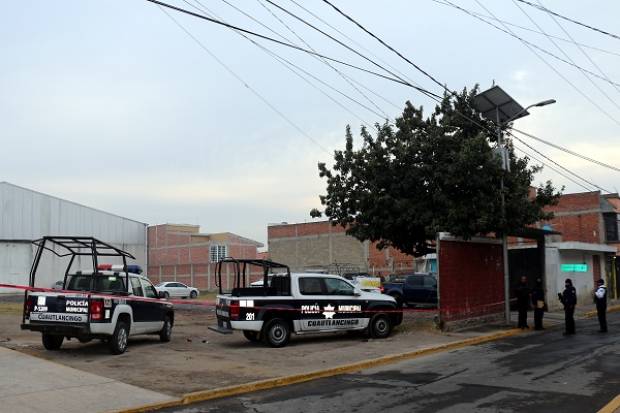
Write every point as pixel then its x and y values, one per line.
pixel 582 281
pixel 28 215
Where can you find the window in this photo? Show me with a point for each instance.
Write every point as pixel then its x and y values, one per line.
pixel 217 252
pixel 149 290
pixel 335 286
pixel 430 282
pixel 611 226
pixel 415 280
pixel 311 286
pixel 136 287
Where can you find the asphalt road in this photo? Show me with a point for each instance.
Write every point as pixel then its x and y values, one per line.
pixel 541 372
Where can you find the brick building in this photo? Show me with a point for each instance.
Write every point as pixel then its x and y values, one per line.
pixel 584 250
pixel 324 247
pixel 181 253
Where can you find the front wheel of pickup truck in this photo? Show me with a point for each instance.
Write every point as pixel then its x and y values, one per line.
pixel 166 332
pixel 51 342
pixel 380 326
pixel 277 332
pixel 118 341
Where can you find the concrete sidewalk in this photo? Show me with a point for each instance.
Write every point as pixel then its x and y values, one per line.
pixel 30 384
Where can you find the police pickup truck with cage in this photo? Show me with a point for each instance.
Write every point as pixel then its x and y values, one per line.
pixel 107 302
pixel 299 303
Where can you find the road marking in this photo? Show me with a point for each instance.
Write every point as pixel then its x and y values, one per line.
pixel 612 406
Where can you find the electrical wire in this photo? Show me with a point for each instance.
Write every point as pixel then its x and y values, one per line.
pixel 418 68
pixel 529 29
pixel 579 46
pixel 337 40
pixel 542 8
pixel 532 49
pixel 295 69
pixel 242 81
pixel 558 165
pixel 552 168
pixel 301 49
pixel 566 150
pixel 613 102
pixel 342 75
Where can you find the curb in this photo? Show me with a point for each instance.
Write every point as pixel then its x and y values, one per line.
pixel 204 395
pixel 610 309
pixel 611 406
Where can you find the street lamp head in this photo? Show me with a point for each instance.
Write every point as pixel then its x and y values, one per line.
pixel 545 102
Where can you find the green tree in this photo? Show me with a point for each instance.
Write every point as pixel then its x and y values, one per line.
pixel 424 176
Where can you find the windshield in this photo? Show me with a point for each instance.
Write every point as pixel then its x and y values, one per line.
pixel 100 283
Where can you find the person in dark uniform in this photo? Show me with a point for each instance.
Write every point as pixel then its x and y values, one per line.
pixel 600 298
pixel 569 300
pixel 538 301
pixel 523 302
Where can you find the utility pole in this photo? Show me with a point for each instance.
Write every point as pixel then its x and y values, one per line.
pixel 497 106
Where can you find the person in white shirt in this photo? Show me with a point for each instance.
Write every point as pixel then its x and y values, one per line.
pixel 600 298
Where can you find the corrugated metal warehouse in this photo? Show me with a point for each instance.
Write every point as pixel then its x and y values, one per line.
pixel 26 215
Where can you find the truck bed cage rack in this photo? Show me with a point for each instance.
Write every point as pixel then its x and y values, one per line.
pixel 76 246
pixel 241 271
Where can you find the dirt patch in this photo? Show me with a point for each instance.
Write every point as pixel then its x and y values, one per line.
pixel 198 358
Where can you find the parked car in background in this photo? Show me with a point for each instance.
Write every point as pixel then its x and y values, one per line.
pixel 364 281
pixel 176 289
pixel 412 289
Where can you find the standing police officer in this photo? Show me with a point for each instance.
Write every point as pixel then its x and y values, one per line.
pixel 538 300
pixel 600 298
pixel 523 294
pixel 569 299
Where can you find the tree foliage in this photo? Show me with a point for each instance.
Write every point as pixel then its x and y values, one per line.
pixel 429 175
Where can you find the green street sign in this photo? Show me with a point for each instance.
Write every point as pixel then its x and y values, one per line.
pixel 574 267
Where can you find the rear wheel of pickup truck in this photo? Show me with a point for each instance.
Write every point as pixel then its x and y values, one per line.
pixel 51 342
pixel 166 332
pixel 277 332
pixel 380 326
pixel 252 336
pixel 118 341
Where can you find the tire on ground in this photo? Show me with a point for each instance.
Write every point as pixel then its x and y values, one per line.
pixel 277 332
pixel 193 294
pixel 165 335
pixel 51 341
pixel 118 341
pixel 380 326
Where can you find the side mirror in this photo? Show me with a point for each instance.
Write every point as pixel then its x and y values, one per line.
pixel 161 294
pixel 357 291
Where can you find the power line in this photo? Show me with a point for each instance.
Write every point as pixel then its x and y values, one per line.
pixel 558 165
pixel 552 168
pixel 529 29
pixel 521 39
pixel 295 68
pixel 301 49
pixel 351 19
pixel 578 46
pixel 532 48
pixel 542 8
pixel 240 79
pixel 358 44
pixel 337 41
pixel 613 102
pixel 561 148
pixel 345 78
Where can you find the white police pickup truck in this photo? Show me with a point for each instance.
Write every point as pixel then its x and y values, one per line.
pixel 109 303
pixel 299 303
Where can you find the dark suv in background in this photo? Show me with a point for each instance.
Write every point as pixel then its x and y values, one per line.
pixel 412 289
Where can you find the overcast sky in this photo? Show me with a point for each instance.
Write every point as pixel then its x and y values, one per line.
pixel 110 104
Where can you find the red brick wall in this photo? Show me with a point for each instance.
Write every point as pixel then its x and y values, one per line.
pixel 174 256
pixel 578 217
pixel 299 230
pixel 471 280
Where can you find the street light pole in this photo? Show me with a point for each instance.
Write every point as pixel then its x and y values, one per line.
pixel 497 106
